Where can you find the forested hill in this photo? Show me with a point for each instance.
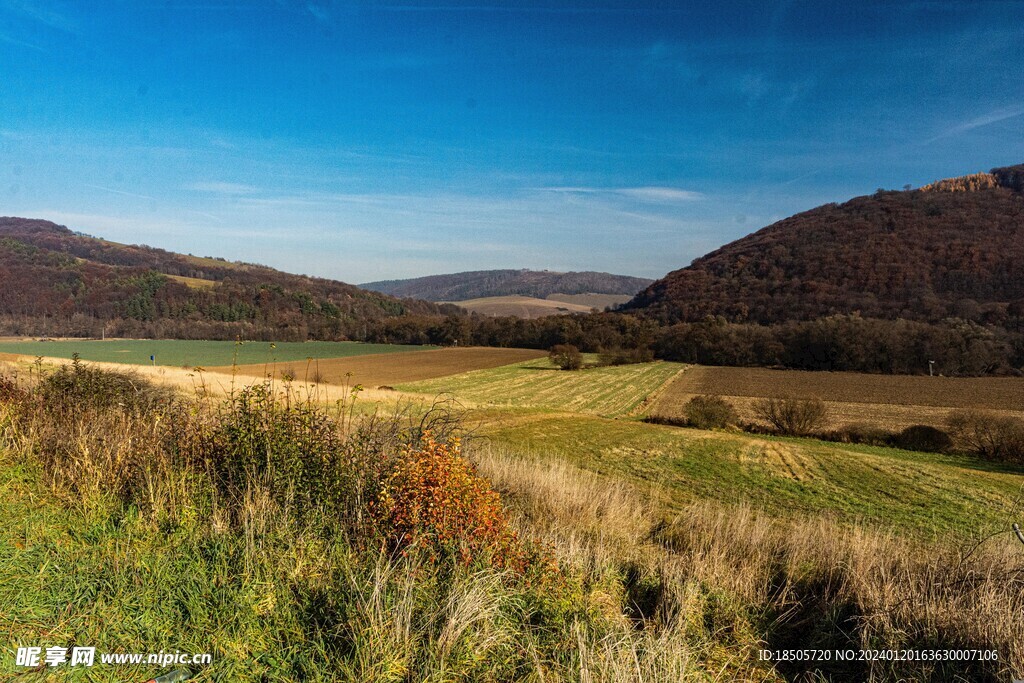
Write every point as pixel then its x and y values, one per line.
pixel 57 282
pixel 486 283
pixel 953 249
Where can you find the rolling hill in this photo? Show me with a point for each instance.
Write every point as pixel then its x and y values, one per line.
pixel 57 282
pixel 952 249
pixel 539 284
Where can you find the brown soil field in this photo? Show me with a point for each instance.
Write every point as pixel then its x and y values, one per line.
pixel 391 368
pixel 888 401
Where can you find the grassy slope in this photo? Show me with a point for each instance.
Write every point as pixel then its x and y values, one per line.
pixel 916 493
pixel 203 353
pixel 608 391
pixel 71 576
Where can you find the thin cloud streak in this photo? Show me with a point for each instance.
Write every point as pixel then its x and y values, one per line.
pixel 987 119
pixel 218 187
pixel 644 193
pixel 121 192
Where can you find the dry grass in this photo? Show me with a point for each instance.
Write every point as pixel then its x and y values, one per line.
pixel 194 282
pixel 892 402
pixel 779 584
pixel 389 369
pixel 192 382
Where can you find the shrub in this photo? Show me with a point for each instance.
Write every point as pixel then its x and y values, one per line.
pixel 988 435
pixel 566 356
pixel 434 501
pixel 861 434
pixel 709 412
pixel 625 356
pixel 922 438
pixel 292 449
pixel 792 416
pixel 76 385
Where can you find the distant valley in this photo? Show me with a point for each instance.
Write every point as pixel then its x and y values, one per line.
pixel 519 293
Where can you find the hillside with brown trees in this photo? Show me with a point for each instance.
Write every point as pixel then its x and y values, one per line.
pixel 57 282
pixel 950 250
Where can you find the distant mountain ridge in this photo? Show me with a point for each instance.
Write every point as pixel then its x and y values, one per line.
pixel 952 249
pixel 57 282
pixel 479 284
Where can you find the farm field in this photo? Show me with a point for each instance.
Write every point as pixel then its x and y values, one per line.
pixel 174 352
pixel 904 492
pixel 389 369
pixel 609 391
pixel 519 306
pixel 533 307
pixel 599 301
pixel 887 401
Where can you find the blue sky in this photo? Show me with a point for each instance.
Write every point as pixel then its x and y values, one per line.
pixel 364 141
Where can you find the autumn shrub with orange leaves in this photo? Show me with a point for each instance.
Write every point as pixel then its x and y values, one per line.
pixel 435 502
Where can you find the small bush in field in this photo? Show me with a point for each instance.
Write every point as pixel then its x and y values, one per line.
pixel 867 434
pixel 709 412
pixel 792 416
pixel 434 501
pixel 625 356
pixel 292 448
pixel 566 356
pixel 76 385
pixel 922 438
pixel 988 435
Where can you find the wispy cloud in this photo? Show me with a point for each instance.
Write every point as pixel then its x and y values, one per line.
pixel 986 119
pixel 121 192
pixel 35 12
pixel 645 193
pixel 20 43
pixel 225 188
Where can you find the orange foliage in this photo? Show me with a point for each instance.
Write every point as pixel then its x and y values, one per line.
pixel 435 501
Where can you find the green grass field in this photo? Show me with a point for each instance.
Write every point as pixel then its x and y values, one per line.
pixel 607 391
pixel 910 493
pixel 202 353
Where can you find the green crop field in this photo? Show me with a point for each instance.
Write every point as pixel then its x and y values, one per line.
pixel 178 353
pixel 609 391
pixel 906 492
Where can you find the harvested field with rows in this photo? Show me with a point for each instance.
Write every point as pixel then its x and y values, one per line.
pixel 608 391
pixel 887 401
pixel 915 494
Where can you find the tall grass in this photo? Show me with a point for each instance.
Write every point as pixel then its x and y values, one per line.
pixel 250 527
pixel 713 577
